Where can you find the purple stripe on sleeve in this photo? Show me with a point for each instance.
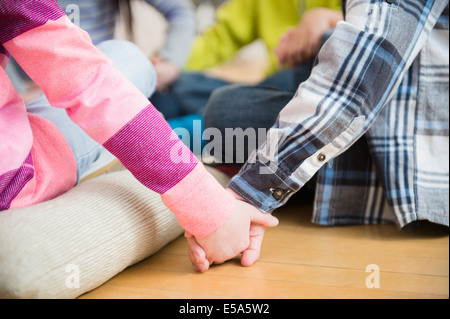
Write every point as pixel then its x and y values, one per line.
pixel 3 51
pixel 149 148
pixel 12 182
pixel 20 16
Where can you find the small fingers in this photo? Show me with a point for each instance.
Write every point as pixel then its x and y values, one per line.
pixel 253 252
pixel 197 255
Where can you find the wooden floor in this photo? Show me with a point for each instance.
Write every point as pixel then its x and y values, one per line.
pixel 301 260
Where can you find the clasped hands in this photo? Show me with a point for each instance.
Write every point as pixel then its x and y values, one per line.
pixel 243 232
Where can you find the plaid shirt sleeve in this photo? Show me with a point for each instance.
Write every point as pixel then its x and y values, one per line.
pixel 358 72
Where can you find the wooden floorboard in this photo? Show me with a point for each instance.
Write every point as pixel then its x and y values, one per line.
pixel 301 260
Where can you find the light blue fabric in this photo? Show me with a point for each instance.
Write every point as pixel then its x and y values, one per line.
pixel 98 18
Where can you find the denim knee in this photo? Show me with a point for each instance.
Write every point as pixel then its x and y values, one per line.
pixel 220 112
pixel 129 59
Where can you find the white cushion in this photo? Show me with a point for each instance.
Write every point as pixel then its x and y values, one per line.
pixel 72 244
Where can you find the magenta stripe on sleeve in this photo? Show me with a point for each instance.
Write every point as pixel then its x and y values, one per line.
pixel 4 57
pixel 149 148
pixel 12 182
pixel 20 16
pixel 3 51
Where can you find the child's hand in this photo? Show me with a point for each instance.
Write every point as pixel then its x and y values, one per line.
pixel 302 43
pixel 167 72
pixel 242 233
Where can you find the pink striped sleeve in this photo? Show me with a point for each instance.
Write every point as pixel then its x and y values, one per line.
pixel 199 197
pixel 152 151
pixel 76 76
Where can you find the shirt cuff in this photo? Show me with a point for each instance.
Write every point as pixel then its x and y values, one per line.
pixel 268 185
pixel 265 186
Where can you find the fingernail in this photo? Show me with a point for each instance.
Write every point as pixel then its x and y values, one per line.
pixel 200 268
pixel 198 258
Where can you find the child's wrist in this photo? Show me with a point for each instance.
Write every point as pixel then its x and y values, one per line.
pixel 236 195
pixel 200 203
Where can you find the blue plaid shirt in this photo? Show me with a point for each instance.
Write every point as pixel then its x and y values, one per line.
pixel 371 121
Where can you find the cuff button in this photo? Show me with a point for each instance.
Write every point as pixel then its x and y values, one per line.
pixel 278 194
pixel 321 158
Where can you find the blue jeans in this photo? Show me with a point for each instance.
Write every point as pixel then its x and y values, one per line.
pixel 252 107
pixel 191 92
pixel 128 59
pixel 187 95
pixel 195 95
pixel 244 107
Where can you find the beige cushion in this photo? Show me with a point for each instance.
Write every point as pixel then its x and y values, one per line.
pixel 72 244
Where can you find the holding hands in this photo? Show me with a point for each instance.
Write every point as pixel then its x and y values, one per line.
pixel 242 233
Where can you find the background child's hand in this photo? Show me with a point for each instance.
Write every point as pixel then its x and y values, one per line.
pixel 242 233
pixel 301 44
pixel 167 72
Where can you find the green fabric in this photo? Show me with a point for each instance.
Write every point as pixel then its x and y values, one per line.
pixel 241 22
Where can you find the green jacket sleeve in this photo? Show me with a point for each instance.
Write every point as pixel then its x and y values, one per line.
pixel 234 28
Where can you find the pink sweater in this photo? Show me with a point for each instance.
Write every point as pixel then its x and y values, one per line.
pixel 36 163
